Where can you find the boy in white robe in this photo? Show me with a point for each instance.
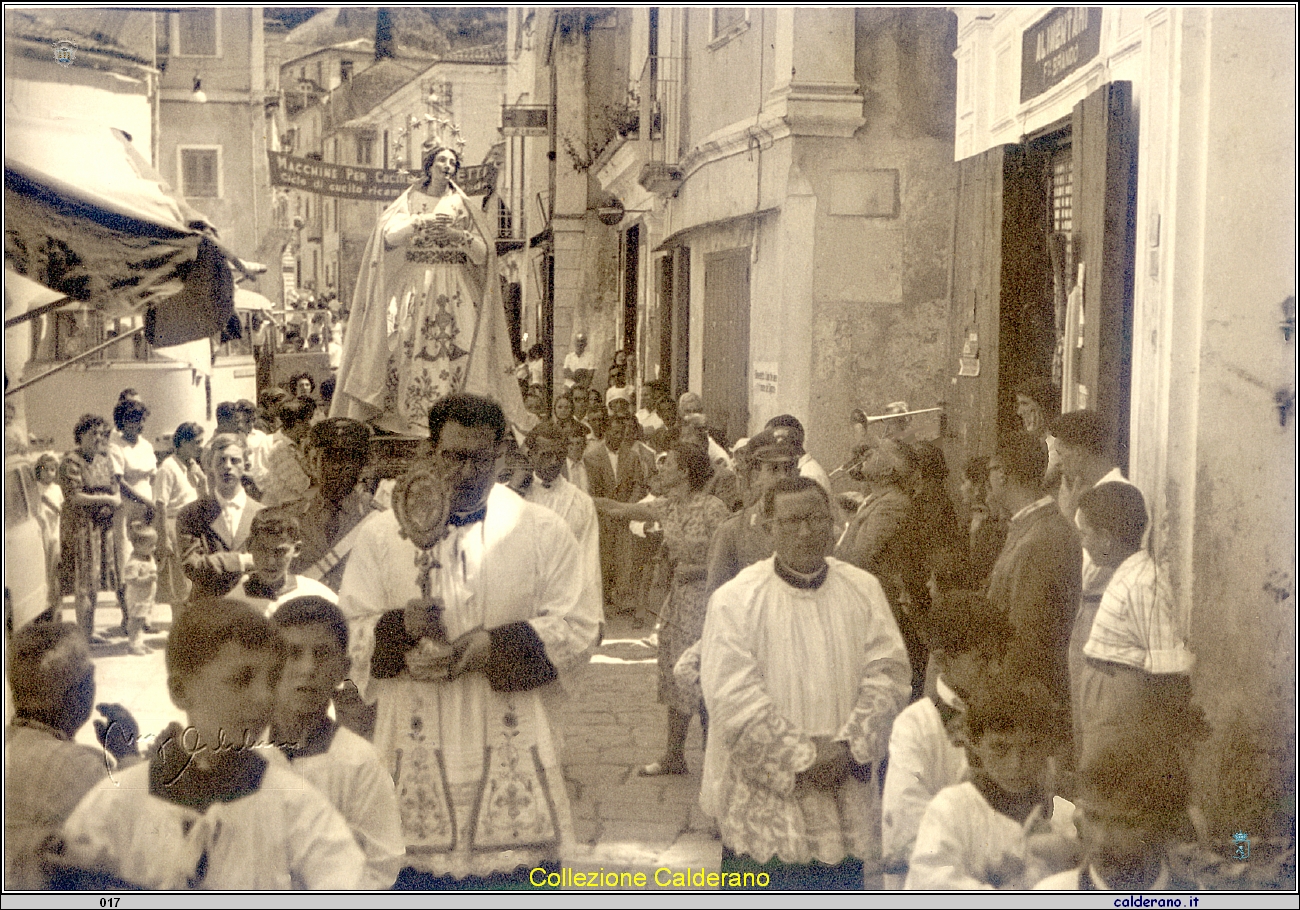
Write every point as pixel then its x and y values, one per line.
pixel 274 540
pixel 547 446
pixel 340 764
pixel 803 670
pixel 1133 796
pixel 1001 829
pixel 209 810
pixel 927 752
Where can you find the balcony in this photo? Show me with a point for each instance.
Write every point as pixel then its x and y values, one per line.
pixel 659 89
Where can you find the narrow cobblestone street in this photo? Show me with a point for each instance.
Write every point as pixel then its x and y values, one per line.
pixel 613 725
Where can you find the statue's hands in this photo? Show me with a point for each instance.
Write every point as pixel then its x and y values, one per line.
pixel 439 230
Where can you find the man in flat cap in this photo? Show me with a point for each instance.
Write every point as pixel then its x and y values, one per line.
pixel 744 539
pixel 334 507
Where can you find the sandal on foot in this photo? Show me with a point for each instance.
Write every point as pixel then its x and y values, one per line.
pixel 661 768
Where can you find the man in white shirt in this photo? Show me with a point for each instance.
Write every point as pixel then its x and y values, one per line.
pixel 803 670
pixel 210 532
pixel 579 364
pixel 179 482
pixel 259 442
pixel 575 466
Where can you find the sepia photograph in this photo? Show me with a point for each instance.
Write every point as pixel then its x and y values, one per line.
pixel 651 450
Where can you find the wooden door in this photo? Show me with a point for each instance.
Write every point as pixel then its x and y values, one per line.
pixel 1105 149
pixel 725 360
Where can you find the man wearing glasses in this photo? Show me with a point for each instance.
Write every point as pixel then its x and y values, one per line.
pixel 460 670
pixel 803 670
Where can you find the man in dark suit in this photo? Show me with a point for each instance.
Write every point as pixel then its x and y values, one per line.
pixel 211 532
pixel 616 472
pixel 1036 578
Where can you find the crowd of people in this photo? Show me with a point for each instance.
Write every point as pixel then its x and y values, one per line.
pixel 895 689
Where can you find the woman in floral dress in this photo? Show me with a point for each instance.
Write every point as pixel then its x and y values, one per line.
pixel 91 498
pixel 689 517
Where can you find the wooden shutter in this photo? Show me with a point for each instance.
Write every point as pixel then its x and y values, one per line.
pixel 976 299
pixel 1105 166
pixel 725 360
pixel 680 364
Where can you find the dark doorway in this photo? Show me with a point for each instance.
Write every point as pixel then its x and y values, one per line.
pixel 631 277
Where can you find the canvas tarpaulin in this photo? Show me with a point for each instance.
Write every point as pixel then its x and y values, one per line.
pixel 86 216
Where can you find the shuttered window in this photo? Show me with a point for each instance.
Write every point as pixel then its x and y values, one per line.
pixel 201 172
pixel 196 33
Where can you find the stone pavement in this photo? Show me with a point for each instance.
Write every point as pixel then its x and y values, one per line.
pixel 611 721
pixel 613 724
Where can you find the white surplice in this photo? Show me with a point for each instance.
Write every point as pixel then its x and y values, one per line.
pixel 579 513
pixel 964 844
pixel 922 761
pixel 519 564
pixel 780 665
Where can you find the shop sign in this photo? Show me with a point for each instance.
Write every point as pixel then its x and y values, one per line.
pixel 1057 45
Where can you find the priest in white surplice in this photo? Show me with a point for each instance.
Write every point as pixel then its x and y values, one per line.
pixel 464 728
pixel 803 670
pixel 547 446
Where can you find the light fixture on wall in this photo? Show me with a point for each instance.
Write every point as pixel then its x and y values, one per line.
pixel 197 93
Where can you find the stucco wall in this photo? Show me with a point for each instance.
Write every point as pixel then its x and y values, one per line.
pixel 881 282
pixel 1243 538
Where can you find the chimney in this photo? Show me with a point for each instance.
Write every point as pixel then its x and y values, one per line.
pixel 384 35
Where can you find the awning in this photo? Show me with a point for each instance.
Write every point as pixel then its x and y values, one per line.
pixel 251 300
pixel 87 217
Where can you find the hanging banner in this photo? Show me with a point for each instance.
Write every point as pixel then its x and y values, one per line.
pixel 367 183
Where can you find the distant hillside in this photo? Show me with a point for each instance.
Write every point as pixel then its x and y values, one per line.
pixel 417 31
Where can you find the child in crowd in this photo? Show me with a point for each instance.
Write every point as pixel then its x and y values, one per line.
pixel 333 759
pixel 49 514
pixel 1136 669
pixel 1000 829
pixel 274 540
pixel 927 744
pixel 46 773
pixel 140 580
pixel 1133 798
pixel 210 810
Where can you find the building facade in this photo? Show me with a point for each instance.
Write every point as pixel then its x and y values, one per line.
pixel 1126 231
pixel 758 201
